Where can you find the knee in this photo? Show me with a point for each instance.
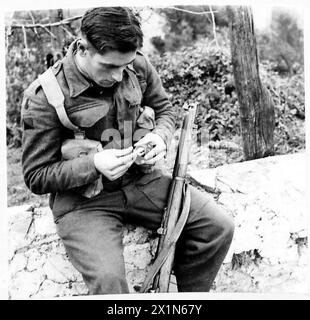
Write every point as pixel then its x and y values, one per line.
pixel 227 227
pixel 107 282
pixel 222 225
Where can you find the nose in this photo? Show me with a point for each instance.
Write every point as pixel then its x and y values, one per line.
pixel 117 74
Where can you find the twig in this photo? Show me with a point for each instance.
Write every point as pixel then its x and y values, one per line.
pixel 188 11
pixel 33 21
pixel 25 42
pixel 50 33
pixel 196 183
pixel 214 26
pixel 68 32
pixel 47 25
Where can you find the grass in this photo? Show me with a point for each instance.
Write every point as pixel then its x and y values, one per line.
pixel 17 192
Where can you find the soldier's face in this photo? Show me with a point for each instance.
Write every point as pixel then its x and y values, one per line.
pixel 107 69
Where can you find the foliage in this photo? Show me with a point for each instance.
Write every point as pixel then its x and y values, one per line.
pixel 25 60
pixel 21 71
pixel 188 77
pixel 17 192
pixel 184 28
pixel 283 44
pixel 201 73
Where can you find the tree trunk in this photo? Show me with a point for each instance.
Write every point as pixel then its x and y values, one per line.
pixel 58 32
pixel 256 107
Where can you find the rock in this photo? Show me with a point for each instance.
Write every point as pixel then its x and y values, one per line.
pixel 42 262
pixel 50 288
pixel 266 198
pixel 18 263
pixel 25 284
pixel 139 256
pixel 44 224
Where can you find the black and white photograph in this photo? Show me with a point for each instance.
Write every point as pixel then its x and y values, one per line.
pixel 156 148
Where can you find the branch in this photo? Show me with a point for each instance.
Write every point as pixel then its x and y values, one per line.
pixel 68 32
pixel 50 33
pixel 46 25
pixel 33 21
pixel 214 26
pixel 189 11
pixel 25 42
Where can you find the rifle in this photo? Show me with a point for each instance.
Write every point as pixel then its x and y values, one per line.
pixel 176 213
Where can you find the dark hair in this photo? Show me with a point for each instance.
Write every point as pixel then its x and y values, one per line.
pixel 112 28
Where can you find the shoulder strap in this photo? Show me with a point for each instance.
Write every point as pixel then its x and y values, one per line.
pixel 56 98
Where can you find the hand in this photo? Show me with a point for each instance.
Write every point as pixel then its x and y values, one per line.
pixel 113 163
pixel 158 148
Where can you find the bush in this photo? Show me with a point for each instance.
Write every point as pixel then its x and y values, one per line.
pixel 200 73
pixel 203 74
pixel 283 44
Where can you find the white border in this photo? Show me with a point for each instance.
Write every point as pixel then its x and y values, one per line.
pixel 35 4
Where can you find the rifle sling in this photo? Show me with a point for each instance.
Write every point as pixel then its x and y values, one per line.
pixel 168 246
pixel 56 98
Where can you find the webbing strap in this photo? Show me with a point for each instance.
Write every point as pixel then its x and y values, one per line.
pixel 55 97
pixel 168 246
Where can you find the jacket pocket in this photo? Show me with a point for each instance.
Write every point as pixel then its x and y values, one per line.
pixel 132 91
pixel 133 97
pixel 146 119
pixel 86 115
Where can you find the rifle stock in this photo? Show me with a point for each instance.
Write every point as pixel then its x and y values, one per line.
pixel 175 200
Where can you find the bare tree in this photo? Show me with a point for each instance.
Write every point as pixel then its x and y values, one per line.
pixel 256 107
pixel 58 34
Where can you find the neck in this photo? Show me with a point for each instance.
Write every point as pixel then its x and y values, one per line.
pixel 79 65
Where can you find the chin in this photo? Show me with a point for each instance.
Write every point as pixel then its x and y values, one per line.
pixel 106 84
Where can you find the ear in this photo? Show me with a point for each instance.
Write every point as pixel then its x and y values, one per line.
pixel 82 46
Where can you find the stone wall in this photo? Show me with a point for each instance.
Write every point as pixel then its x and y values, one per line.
pixel 39 266
pixel 267 198
pixel 269 253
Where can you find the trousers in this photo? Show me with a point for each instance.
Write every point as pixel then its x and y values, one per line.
pixel 92 235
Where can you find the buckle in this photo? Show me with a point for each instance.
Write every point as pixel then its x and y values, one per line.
pixel 161 230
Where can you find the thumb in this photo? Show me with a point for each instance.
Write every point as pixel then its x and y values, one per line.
pixel 122 152
pixel 145 140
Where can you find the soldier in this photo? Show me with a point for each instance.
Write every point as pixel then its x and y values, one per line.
pixel 111 90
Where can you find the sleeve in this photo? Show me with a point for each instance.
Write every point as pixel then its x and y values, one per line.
pixel 43 169
pixel 156 97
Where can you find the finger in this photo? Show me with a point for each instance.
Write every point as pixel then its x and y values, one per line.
pixel 118 173
pixel 122 152
pixel 122 161
pixel 123 167
pixel 145 140
pixel 139 151
pixel 114 177
pixel 127 159
pixel 155 159
pixel 154 152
